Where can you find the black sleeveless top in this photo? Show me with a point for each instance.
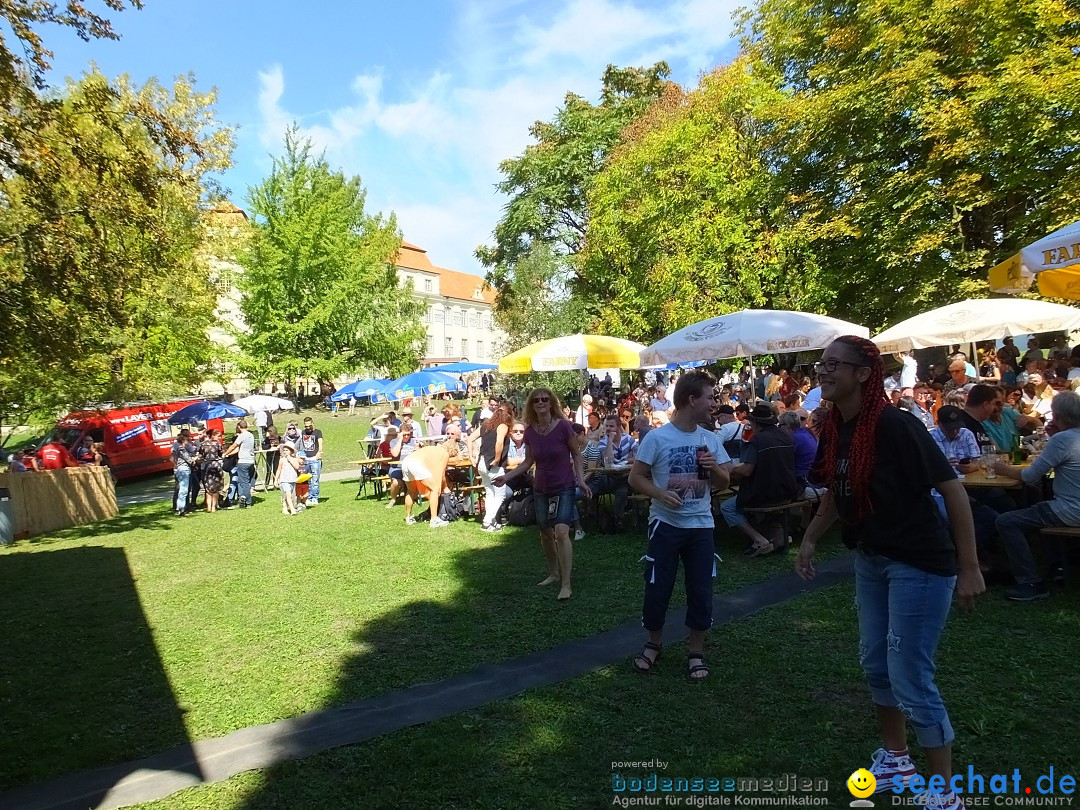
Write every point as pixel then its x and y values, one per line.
pixel 487 447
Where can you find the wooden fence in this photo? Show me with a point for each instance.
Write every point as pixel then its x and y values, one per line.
pixel 57 499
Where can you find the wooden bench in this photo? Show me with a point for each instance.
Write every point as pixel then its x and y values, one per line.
pixel 783 509
pixel 1061 531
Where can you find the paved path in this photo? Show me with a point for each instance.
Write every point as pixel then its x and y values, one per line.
pixel 219 758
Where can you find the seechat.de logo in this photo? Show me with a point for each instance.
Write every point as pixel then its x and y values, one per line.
pixel 862 783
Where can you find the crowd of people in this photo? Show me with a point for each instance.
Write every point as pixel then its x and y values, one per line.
pixel 202 459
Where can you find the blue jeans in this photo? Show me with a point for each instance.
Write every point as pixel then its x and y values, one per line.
pixel 183 483
pixel 667 545
pixel 902 611
pixel 564 512
pixel 731 513
pixel 244 474
pixel 1012 528
pixel 314 466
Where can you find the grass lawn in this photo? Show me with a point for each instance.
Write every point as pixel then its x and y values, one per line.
pixel 141 633
pixel 785 697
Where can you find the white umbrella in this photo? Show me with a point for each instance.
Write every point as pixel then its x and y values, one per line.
pixel 749 332
pixel 263 402
pixel 975 320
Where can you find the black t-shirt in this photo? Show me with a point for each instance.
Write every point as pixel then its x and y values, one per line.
pixel 976 428
pixel 904 523
pixel 309 442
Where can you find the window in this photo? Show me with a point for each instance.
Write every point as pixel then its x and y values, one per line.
pixel 464 347
pixel 427 315
pixel 480 348
pixel 438 314
pixel 474 319
pixel 449 347
pixel 427 285
pixel 224 281
pixel 458 318
pixel 430 345
pixel 485 321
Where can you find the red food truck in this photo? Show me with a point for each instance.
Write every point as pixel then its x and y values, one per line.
pixel 137 436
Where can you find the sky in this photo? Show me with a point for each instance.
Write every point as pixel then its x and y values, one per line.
pixel 421 100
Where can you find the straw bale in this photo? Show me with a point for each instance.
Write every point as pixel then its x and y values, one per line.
pixel 58 499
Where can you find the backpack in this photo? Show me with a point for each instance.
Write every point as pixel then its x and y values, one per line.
pixel 520 509
pixel 451 506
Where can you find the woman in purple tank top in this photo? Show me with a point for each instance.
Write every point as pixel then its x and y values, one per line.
pixel 550 445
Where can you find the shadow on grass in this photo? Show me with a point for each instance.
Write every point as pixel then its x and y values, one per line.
pixel 102 691
pixel 144 516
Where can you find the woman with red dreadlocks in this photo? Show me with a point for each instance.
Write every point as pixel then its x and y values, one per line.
pixel 879 464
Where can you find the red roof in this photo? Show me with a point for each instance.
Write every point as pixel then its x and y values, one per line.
pixel 452 284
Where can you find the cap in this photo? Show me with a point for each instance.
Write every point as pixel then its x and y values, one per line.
pixel 950 416
pixel 763 413
pixel 725 409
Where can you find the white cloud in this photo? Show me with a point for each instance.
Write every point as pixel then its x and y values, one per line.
pixel 431 151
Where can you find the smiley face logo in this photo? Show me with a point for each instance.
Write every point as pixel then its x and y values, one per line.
pixel 862 783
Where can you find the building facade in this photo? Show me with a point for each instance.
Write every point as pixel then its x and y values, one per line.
pixel 460 316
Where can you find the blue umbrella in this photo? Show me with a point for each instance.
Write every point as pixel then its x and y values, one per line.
pixel 202 411
pixel 361 388
pixel 421 382
pixel 461 368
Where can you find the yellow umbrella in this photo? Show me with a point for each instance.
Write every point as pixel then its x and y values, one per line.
pixel 573 352
pixel 1053 261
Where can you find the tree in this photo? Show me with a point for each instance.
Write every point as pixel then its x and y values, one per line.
pixel 101 295
pixel 549 183
pixel 537 305
pixel 922 142
pixel 320 288
pixel 684 215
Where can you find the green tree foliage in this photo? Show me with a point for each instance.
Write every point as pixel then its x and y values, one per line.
pixel 685 220
pixel 548 184
pixel 922 142
pixel 537 305
pixel 101 295
pixel 321 294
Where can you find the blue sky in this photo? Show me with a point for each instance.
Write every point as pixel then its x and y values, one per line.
pixel 422 100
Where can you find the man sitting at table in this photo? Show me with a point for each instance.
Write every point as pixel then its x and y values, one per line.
pixel 1004 423
pixel 955 441
pixel 458 451
pixel 979 407
pixel 1062 456
pixel 617 449
pixel 767 473
pixel 1038 395
pixel 959 379
pixel 400 449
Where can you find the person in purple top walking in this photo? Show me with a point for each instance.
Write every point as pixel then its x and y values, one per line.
pixel 550 445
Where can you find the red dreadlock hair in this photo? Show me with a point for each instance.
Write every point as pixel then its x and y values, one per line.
pixel 863 444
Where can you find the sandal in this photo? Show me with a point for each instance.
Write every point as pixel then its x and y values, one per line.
pixel 649 662
pixel 760 551
pixel 696 668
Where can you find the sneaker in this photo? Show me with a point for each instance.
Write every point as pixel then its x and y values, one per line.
pixel 886 767
pixel 579 535
pixel 409 521
pixel 1028 592
pixel 494 527
pixel 438 522
pixel 284 510
pixel 390 505
pixel 1057 575
pixel 312 503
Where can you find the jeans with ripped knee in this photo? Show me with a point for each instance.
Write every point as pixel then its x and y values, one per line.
pixel 902 612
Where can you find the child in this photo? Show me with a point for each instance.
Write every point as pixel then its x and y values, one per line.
pixel 287 473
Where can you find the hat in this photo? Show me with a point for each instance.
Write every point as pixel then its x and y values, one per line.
pixel 725 409
pixel 763 413
pixel 950 416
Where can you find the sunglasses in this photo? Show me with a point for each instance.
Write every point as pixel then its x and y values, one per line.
pixel 541 399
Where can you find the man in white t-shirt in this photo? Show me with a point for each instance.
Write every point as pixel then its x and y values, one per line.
pixel 677 466
pixel 910 371
pixel 581 415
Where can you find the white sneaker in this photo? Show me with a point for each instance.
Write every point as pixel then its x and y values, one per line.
pixel 494 527
pixel 409 521
pixel 390 505
pixel 312 503
pixel 886 767
pixel 284 510
pixel 438 523
pixel 579 535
